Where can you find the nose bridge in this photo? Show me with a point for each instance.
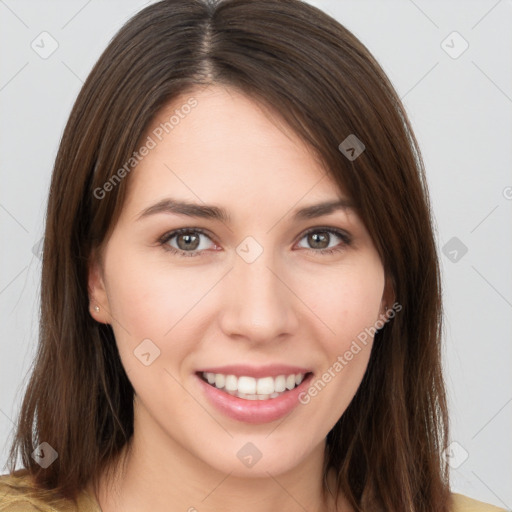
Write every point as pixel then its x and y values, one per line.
pixel 259 306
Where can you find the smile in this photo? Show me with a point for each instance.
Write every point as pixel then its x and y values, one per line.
pixel 250 388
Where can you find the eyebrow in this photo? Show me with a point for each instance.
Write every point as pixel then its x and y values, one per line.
pixel 205 211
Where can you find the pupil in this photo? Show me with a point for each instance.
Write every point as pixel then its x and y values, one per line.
pixel 190 242
pixel 319 241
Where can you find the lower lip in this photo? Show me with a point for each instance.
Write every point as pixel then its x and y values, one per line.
pixel 254 411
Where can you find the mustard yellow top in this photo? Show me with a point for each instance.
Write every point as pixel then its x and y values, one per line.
pixel 13 498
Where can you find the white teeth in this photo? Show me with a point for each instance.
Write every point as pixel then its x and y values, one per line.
pixel 280 384
pixel 251 388
pixel 247 385
pixel 231 384
pixel 290 382
pixel 220 380
pixel 265 386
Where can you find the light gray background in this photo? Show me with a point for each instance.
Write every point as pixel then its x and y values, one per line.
pixel 461 112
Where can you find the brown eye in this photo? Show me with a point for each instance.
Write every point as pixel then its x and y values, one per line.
pixel 325 240
pixel 186 241
pixel 319 240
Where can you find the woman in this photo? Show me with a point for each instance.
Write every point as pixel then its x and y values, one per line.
pixel 240 291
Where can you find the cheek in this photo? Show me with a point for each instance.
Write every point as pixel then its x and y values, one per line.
pixel 150 293
pixel 348 305
pixel 345 301
pixel 151 301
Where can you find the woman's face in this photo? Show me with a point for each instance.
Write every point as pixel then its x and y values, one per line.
pixel 253 300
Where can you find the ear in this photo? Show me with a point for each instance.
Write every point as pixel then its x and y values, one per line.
pixel 99 307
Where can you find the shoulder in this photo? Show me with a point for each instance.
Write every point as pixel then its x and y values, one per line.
pixel 463 503
pixel 15 494
pixel 19 494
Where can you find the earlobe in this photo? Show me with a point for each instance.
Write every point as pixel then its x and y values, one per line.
pixel 98 300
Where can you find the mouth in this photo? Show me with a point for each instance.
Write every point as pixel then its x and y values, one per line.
pixel 252 388
pixel 254 394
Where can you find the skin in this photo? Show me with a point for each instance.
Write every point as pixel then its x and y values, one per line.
pixel 282 308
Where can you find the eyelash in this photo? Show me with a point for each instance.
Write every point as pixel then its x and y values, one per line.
pixel 168 236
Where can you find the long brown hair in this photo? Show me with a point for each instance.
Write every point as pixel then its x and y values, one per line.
pixel 293 58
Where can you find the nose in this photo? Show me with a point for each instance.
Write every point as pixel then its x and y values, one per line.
pixel 257 305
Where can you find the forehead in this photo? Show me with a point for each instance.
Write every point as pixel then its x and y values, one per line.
pixel 227 148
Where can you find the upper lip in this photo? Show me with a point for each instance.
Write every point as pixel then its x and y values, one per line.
pixel 271 370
